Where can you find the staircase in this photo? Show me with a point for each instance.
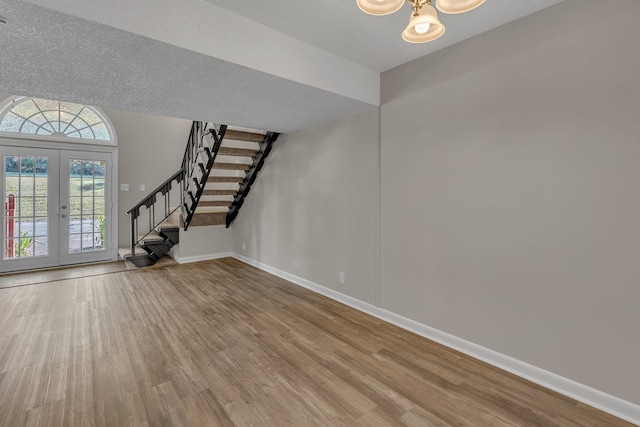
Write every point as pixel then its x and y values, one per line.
pixel 219 166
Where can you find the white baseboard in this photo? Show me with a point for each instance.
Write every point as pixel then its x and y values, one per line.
pixel 197 258
pixel 580 392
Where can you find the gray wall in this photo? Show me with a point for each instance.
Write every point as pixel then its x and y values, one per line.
pixel 312 211
pixel 199 243
pixel 511 192
pixel 150 150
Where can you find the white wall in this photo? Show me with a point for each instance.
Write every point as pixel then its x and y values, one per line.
pixel 511 192
pixel 312 211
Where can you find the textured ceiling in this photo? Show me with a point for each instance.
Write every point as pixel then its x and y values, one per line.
pixel 57 56
pixel 339 26
pixel 280 65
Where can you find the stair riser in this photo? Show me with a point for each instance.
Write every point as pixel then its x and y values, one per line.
pixel 172 235
pixel 140 260
pixel 159 249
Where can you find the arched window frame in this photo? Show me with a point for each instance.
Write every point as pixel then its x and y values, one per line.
pixel 8 104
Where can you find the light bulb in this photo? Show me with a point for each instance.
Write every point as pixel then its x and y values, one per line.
pixel 422 28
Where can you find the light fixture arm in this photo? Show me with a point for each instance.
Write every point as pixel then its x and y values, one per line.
pixel 416 5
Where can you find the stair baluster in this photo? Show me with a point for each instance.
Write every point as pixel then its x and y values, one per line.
pixel 252 174
pixel 197 162
pixel 199 157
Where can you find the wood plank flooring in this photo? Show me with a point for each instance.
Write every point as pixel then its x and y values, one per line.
pixel 10 280
pixel 220 343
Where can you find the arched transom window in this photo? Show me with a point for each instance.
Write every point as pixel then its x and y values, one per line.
pixel 55 119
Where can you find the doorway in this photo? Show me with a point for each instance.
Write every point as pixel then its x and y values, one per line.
pixel 58 207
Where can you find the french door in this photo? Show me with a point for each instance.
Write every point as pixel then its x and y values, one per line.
pixel 57 207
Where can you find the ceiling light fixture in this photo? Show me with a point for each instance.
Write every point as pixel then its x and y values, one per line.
pixel 424 25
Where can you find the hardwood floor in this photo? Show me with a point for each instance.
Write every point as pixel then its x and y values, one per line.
pixel 222 343
pixel 32 277
pixel 9 280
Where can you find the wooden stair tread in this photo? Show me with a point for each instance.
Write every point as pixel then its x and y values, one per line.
pixel 243 136
pixel 231 151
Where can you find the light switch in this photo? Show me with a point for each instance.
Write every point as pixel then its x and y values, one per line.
pixel 142 187
pixel 124 187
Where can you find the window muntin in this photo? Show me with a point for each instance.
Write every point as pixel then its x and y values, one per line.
pixel 56 119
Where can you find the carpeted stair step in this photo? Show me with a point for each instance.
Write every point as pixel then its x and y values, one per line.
pixel 237 135
pixel 141 258
pixel 172 221
pixel 220 192
pixel 232 179
pixel 125 253
pixel 158 244
pixel 226 176
pixel 152 237
pixel 232 151
pixel 231 166
pixel 212 203
pixel 203 218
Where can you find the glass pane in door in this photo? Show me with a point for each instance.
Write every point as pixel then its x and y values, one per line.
pixel 87 202
pixel 26 233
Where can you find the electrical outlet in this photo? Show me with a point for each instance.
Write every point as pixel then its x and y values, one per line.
pixel 124 187
pixel 244 247
pixel 341 278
